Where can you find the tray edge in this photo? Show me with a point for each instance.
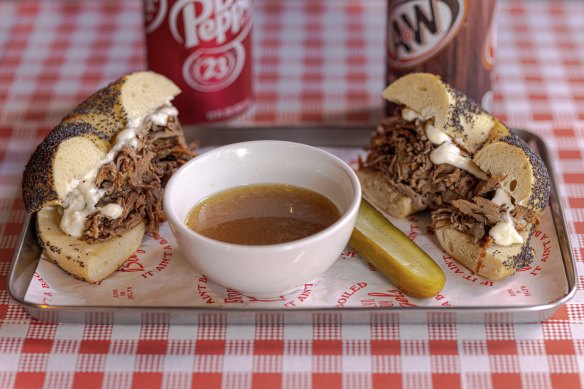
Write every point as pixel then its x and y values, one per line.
pixel 354 315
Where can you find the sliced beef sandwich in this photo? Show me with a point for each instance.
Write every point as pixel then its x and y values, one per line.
pixel 97 180
pixel 441 152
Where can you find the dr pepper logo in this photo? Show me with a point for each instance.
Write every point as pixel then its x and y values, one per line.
pixel 214 29
pixel 420 29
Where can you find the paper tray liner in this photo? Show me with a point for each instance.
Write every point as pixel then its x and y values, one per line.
pixel 158 275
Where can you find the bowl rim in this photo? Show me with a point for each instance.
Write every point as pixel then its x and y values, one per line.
pixel 344 218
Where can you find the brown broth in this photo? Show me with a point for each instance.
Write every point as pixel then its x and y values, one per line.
pixel 262 214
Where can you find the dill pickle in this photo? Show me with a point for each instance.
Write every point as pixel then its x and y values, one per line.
pixel 395 255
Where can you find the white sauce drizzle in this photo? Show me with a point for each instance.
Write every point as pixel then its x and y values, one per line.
pixel 446 152
pixel 436 135
pixel 502 197
pixel 450 154
pixel 504 232
pixel 112 211
pixel 410 115
pixel 82 198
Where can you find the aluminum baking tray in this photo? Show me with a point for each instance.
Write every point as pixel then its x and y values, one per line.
pixel 28 252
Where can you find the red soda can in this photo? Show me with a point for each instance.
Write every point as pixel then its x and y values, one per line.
pixel 204 46
pixel 455 39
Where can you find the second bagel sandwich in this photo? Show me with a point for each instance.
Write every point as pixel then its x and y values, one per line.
pixel 440 151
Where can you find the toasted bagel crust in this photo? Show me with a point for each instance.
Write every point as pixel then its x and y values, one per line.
pixel 96 121
pixel 541 189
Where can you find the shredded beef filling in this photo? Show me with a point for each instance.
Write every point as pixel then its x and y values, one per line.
pixel 135 180
pixel 400 149
pixel 478 215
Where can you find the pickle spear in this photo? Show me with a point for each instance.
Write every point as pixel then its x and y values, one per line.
pixel 395 255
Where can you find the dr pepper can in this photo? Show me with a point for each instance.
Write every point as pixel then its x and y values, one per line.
pixel 452 38
pixel 204 46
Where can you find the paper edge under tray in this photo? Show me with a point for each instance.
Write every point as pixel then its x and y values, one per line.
pixel 27 254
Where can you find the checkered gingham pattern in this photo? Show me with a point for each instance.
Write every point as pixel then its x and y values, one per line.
pixel 315 61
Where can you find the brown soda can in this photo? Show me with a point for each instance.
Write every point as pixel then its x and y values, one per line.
pixel 454 39
pixel 204 46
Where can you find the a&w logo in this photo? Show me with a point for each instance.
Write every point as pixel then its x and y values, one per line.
pixel 420 29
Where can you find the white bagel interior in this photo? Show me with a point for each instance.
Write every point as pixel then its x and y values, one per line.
pixel 381 193
pixel 462 119
pixel 144 92
pixel 73 159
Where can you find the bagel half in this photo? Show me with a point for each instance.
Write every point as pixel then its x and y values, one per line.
pixel 526 177
pixel 88 261
pixel 83 138
pixel 440 151
pixel 382 194
pixel 455 114
pixel 97 180
pixel 488 260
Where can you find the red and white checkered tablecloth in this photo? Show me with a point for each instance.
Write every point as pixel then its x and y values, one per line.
pixel 315 61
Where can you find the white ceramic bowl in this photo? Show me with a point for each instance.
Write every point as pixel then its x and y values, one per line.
pixel 268 270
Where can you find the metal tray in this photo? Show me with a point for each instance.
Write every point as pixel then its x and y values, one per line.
pixel 28 252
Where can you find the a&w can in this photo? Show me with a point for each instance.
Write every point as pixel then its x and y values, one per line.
pixel 452 38
pixel 204 46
